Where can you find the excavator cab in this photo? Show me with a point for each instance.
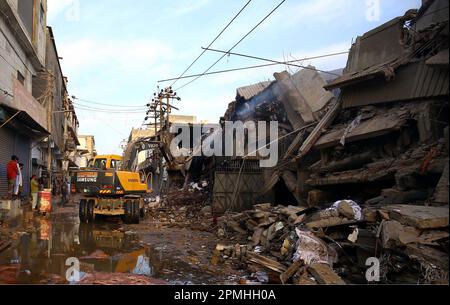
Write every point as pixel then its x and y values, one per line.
pixel 105 162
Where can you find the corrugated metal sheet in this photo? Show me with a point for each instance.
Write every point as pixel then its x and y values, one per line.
pixel 6 150
pixel 250 91
pixel 226 179
pixel 412 81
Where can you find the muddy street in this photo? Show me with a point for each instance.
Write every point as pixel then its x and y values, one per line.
pixel 108 249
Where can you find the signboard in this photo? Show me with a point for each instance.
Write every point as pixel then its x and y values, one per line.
pixel 45 201
pixel 87 177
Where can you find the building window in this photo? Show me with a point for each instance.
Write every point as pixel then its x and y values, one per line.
pixel 20 78
pixel 25 8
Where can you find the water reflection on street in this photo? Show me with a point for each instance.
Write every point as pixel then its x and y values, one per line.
pixel 41 245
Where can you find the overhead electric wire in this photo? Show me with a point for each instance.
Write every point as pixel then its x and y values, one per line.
pixel 215 39
pixel 279 62
pixel 6 92
pixel 108 110
pixel 109 107
pixel 104 104
pixel 255 67
pixel 231 49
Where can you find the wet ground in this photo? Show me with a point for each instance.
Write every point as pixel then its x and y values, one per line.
pixel 41 245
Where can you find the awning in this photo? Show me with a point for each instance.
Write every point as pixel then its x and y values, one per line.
pixel 26 120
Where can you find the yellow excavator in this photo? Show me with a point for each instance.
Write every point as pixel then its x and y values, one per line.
pixel 109 190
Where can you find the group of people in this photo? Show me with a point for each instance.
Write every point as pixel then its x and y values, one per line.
pixel 61 186
pixel 14 172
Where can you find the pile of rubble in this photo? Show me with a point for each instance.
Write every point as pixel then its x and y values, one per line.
pixel 183 208
pixel 338 244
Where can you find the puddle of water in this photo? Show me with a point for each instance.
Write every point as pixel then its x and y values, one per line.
pixel 42 245
pixel 41 248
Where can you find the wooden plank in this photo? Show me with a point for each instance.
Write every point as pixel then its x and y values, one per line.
pixel 421 217
pixel 325 275
pixel 4 245
pixel 318 131
pixel 266 262
pixel 236 227
pixel 256 238
pixel 285 276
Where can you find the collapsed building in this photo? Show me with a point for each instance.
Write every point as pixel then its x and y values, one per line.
pixel 376 132
pixel 363 164
pixel 297 102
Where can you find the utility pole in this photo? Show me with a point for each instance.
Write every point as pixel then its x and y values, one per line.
pixel 49 96
pixel 161 107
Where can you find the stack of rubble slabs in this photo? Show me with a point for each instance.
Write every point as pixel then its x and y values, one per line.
pixel 332 245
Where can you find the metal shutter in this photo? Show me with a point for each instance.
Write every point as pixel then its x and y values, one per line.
pixel 6 151
pixel 22 149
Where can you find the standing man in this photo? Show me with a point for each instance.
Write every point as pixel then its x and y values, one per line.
pixel 64 192
pixel 18 188
pixel 34 189
pixel 12 170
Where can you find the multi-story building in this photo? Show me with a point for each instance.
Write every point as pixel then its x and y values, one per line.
pixel 71 136
pixel 37 119
pixel 50 86
pixel 23 119
pixel 85 150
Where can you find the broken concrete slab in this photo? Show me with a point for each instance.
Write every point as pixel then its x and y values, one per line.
pixel 375 127
pixel 394 234
pixel 431 237
pixel 441 192
pixel 421 217
pixel 426 254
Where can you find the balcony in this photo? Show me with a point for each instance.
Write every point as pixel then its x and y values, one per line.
pixel 31 110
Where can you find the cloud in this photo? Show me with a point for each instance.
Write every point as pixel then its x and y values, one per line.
pixel 57 7
pixel 189 6
pixel 313 13
pixel 121 55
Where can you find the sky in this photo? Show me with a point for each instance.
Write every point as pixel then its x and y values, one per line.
pixel 114 52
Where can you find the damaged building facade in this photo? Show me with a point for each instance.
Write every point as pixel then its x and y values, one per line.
pixel 363 164
pixel 23 119
pixel 38 122
pixel 297 102
pixel 369 127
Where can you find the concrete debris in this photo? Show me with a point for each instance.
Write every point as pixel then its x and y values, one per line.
pixel 421 217
pixel 327 241
pixel 310 249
